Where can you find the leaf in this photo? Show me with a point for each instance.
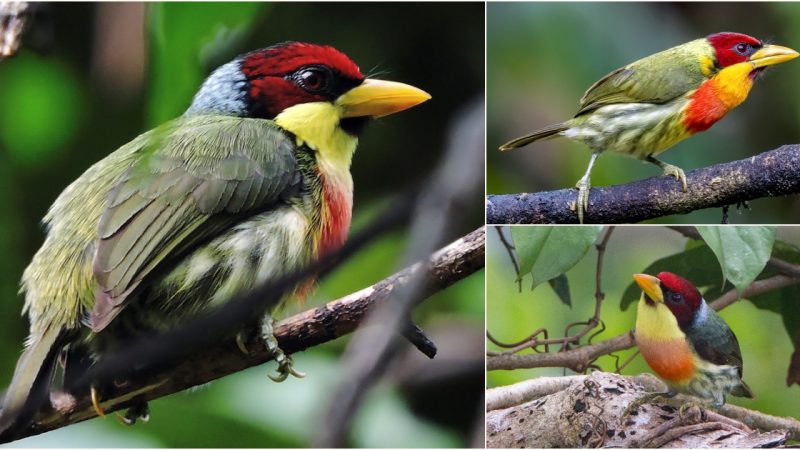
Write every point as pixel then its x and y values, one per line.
pixel 547 252
pixel 698 264
pixel 742 252
pixel 187 40
pixel 560 285
pixel 784 302
pixel 41 110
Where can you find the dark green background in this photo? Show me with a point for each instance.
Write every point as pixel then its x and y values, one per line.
pixel 88 79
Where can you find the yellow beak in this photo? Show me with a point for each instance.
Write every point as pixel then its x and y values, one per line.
pixel 772 54
pixel 651 286
pixel 378 98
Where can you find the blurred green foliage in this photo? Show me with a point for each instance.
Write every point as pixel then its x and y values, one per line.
pixel 61 109
pixel 38 91
pixel 513 314
pixel 541 57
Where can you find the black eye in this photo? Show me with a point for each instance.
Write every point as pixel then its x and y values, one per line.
pixel 675 298
pixel 313 79
pixel 743 49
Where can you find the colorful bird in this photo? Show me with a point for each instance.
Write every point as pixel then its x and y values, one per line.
pixel 686 342
pixel 650 105
pixel 251 183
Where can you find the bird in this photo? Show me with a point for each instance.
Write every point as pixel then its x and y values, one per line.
pixel 251 183
pixel 686 342
pixel 647 106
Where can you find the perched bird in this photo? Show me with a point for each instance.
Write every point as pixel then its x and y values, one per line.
pixel 250 183
pixel 686 342
pixel 650 105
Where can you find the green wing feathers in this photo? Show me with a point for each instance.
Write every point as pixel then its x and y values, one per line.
pixel 657 78
pixel 31 379
pixel 194 184
pixel 715 342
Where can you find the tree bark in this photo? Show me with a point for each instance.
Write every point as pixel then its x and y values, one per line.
pixel 589 411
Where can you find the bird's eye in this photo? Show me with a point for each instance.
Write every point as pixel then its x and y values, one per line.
pixel 313 79
pixel 742 48
pixel 676 298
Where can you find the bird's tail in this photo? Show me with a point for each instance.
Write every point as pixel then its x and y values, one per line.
pixel 743 390
pixel 31 380
pixel 538 135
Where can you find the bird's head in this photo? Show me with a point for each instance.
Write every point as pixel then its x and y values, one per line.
pixel 736 48
pixel 311 90
pixel 675 292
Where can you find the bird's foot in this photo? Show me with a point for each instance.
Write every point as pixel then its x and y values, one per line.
pixel 139 411
pixel 285 364
pixel 582 205
pixel 677 172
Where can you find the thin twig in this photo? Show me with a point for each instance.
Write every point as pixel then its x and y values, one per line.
pixel 576 358
pixel 510 249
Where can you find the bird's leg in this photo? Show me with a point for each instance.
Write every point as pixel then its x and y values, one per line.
pixel 284 361
pixel 584 184
pixel 670 170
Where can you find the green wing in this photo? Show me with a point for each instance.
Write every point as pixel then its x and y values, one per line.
pixel 657 78
pixel 193 181
pixel 715 342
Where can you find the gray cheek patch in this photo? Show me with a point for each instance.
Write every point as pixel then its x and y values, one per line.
pixel 224 92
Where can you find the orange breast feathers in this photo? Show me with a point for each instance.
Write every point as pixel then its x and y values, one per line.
pixel 715 97
pixel 671 359
pixel 337 211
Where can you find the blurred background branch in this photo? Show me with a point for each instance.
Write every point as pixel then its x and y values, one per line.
pixel 454 184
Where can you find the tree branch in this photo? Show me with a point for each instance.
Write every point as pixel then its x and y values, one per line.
pixel 590 411
pixel 769 174
pixel 578 359
pixel 325 323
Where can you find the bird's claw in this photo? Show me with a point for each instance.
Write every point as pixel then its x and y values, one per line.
pixel 96 402
pixel 285 368
pixel 285 364
pixel 240 342
pixel 677 172
pixel 582 205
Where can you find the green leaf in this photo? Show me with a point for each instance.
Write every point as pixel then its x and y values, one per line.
pixel 560 285
pixel 188 40
pixel 547 252
pixel 742 252
pixel 41 108
pixel 697 264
